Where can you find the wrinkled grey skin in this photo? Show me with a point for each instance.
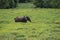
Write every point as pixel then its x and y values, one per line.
pixel 22 19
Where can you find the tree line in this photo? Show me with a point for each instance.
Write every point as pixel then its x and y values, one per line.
pixel 37 3
pixel 47 3
pixel 8 4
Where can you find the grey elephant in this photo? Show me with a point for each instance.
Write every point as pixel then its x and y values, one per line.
pixel 22 19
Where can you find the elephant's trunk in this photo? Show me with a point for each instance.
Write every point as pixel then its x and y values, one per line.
pixel 28 18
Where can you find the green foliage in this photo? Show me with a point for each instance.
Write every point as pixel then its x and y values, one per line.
pixel 8 3
pixel 47 3
pixel 24 1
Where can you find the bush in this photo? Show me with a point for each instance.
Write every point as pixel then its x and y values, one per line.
pixel 8 3
pixel 47 3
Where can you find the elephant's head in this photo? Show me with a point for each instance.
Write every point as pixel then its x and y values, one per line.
pixel 28 18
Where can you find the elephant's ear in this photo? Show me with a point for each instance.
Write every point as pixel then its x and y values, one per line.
pixel 28 18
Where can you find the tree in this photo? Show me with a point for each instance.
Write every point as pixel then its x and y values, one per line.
pixel 47 3
pixel 24 1
pixel 8 3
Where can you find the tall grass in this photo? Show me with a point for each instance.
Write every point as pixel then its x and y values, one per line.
pixel 45 24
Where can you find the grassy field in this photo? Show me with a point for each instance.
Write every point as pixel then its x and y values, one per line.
pixel 45 24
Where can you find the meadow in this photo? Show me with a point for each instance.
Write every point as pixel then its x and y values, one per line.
pixel 45 24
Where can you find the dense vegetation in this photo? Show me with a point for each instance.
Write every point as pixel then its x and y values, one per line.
pixel 47 3
pixel 8 4
pixel 37 3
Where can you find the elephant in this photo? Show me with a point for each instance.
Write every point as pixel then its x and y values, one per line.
pixel 22 19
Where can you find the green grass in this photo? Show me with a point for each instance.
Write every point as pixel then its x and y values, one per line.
pixel 25 5
pixel 45 24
